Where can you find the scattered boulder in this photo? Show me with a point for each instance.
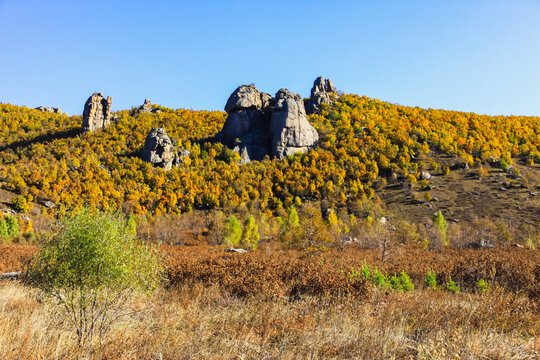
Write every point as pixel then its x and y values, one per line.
pixel 241 251
pixel 322 92
pixel 10 275
pixel 49 204
pixel 51 110
pixel 97 112
pixel 426 175
pixel 258 125
pixel 159 149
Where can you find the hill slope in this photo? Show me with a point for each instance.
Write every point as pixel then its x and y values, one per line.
pixel 367 148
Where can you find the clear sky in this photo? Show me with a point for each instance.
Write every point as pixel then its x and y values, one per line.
pixel 481 56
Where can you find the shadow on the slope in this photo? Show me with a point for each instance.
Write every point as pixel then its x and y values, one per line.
pixel 43 139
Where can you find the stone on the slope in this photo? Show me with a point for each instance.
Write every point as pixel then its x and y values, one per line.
pixel 97 112
pixel 147 107
pixel 159 149
pixel 290 131
pixel 322 92
pixel 51 110
pixel 247 125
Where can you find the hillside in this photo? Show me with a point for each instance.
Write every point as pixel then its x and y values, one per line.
pixel 365 144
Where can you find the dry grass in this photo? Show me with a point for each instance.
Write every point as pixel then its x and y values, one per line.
pixel 274 303
pixel 199 322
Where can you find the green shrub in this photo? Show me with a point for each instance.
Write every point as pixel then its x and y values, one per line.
pixel 452 286
pixel 442 226
pixel 406 283
pixel 381 279
pixel 20 204
pixel 232 234
pixel 92 267
pixel 431 280
pixel 250 234
pixel 483 286
pixel 366 273
pixel 395 283
pixel 9 227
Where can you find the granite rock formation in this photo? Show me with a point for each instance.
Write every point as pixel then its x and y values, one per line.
pixel 322 92
pixel 159 149
pixel 258 125
pixel 51 110
pixel 147 107
pixel 97 112
pixel 290 131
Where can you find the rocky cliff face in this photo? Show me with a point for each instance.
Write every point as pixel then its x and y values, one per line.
pixel 259 125
pixel 97 112
pixel 322 92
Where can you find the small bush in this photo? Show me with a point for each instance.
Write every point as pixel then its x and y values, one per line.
pixel 250 234
pixel 232 234
pixel 431 280
pixel 452 286
pixel 381 279
pixel 366 273
pixel 483 286
pixel 20 204
pixel 442 225
pixel 93 268
pixel 395 283
pixel 9 227
pixel 406 283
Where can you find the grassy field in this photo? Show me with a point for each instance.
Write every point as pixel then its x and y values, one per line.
pixel 274 303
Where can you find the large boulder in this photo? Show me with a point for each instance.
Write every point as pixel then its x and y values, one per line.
pixel 249 110
pixel 322 92
pixel 97 112
pixel 247 125
pixel 159 149
pixel 290 131
pixel 259 125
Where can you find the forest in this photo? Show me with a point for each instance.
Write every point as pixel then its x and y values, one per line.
pixel 365 143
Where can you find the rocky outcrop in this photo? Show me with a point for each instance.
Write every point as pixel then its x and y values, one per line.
pixel 258 125
pixel 147 107
pixel 97 112
pixel 248 123
pixel 51 110
pixel 290 130
pixel 322 92
pixel 159 149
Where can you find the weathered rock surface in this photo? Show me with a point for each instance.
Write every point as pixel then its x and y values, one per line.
pixel 259 125
pixel 290 130
pixel 159 149
pixel 147 107
pixel 322 92
pixel 51 110
pixel 97 112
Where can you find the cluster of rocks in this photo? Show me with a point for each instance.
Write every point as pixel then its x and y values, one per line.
pixel 97 113
pixel 160 150
pixel 322 92
pixel 147 107
pixel 259 124
pixel 51 110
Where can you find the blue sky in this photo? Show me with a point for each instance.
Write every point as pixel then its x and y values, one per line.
pixel 481 56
